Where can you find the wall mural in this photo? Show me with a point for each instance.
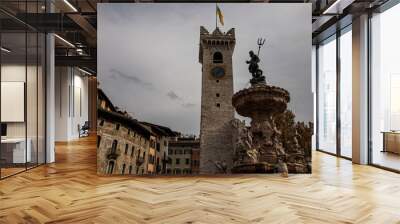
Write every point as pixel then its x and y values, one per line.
pixel 250 127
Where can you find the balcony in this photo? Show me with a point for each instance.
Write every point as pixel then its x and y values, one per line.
pixel 112 155
pixel 139 161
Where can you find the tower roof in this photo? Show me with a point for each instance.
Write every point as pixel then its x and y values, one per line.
pixel 217 32
pixel 217 39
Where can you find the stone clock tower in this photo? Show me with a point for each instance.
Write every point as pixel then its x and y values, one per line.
pixel 215 55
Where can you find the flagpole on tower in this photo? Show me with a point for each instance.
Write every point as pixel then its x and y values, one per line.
pixel 216 22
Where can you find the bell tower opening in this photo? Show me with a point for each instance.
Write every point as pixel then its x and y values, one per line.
pixel 218 58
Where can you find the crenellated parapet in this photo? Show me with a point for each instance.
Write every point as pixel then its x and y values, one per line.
pixel 216 39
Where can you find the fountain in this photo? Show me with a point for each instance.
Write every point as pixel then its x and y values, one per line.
pixel 263 147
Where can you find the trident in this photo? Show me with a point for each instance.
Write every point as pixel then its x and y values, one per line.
pixel 260 43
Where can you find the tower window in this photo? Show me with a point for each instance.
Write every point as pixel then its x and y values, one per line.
pixel 217 81
pixel 218 105
pixel 217 57
pixel 217 94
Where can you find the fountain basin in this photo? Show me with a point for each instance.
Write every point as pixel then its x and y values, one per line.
pixel 260 99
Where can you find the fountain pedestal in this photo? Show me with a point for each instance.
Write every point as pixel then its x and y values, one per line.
pixel 262 102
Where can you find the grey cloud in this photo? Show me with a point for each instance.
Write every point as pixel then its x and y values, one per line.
pixel 112 76
pixel 188 105
pixel 173 96
pixel 130 78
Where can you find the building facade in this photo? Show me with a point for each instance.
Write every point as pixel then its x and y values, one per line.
pixel 104 102
pixel 123 145
pixel 195 161
pixel 183 156
pixel 127 146
pixel 159 146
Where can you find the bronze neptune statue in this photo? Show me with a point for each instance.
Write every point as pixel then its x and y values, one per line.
pixel 254 69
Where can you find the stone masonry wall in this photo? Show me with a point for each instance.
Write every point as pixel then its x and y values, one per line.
pixel 107 133
pixel 215 133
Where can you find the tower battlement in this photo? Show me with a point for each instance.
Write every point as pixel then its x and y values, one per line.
pixel 216 39
pixel 217 33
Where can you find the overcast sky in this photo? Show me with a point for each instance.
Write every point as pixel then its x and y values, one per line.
pixel 148 56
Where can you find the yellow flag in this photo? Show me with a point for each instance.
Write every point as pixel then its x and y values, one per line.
pixel 220 16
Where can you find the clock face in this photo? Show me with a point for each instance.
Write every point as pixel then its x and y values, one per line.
pixel 218 72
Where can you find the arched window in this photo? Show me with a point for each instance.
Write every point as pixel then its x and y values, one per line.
pixel 110 167
pixel 123 169
pixel 114 146
pixel 217 57
pixel 126 149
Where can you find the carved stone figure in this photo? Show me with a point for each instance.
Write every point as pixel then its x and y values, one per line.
pixel 305 132
pixel 244 151
pixel 296 138
pixel 282 168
